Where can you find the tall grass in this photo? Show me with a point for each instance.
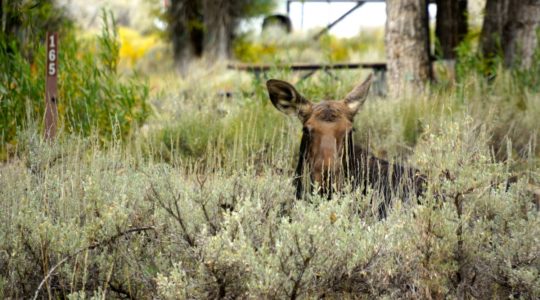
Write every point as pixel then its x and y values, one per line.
pixel 93 97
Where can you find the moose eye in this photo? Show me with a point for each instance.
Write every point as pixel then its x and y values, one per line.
pixel 306 130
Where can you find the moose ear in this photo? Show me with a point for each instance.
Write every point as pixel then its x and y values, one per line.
pixel 358 95
pixel 286 98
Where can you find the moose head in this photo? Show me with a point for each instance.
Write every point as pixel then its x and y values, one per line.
pixel 327 131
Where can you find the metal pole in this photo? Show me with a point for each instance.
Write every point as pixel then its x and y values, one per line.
pixel 288 7
pixel 318 35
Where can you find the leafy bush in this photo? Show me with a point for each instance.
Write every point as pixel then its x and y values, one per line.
pixel 93 97
pixel 24 24
pixel 110 223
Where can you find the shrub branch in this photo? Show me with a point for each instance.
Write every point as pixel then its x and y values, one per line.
pixel 100 244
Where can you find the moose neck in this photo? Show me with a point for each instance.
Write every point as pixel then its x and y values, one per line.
pixel 304 143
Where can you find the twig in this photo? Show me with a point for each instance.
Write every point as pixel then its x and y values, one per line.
pixel 176 215
pixel 303 266
pixel 91 247
pixel 207 217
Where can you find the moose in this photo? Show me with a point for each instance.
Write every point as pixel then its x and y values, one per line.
pixel 328 156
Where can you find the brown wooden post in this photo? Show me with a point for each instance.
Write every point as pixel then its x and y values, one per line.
pixel 51 91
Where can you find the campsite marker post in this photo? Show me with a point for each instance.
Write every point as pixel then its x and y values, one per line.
pixel 51 90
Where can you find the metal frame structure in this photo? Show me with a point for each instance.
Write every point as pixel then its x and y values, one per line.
pixel 379 68
pixel 329 26
pixel 328 1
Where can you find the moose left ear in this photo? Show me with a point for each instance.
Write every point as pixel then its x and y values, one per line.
pixel 286 98
pixel 358 95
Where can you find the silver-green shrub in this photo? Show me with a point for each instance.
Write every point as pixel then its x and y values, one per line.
pixel 79 219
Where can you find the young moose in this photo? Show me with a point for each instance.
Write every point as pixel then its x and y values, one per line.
pixel 327 150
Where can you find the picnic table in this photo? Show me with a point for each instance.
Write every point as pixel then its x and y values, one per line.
pixel 379 69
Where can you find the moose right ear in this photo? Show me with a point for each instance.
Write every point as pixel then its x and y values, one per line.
pixel 286 98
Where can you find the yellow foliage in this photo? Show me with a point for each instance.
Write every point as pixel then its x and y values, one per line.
pixel 337 48
pixel 253 52
pixel 333 217
pixel 133 45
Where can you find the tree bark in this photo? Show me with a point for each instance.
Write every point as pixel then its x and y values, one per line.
pixel 186 31
pixel 510 31
pixel 220 20
pixel 11 22
pixel 496 13
pixel 520 33
pixel 407 48
pixel 451 26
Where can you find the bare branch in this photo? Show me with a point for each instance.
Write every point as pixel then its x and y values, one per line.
pixel 91 247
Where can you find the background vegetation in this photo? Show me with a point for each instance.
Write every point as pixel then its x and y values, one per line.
pixel 164 187
pixel 96 98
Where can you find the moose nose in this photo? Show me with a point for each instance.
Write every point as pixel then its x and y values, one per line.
pixel 325 165
pixel 328 152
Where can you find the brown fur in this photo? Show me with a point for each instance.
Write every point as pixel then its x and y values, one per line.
pixel 330 111
pixel 357 166
pixel 327 150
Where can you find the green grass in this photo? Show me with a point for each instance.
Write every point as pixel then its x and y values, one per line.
pixel 94 97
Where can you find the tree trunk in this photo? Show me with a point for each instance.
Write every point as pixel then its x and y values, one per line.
pixel 520 33
pixel 186 31
pixel 510 30
pixel 220 21
pixel 492 29
pixel 11 19
pixel 407 48
pixel 451 26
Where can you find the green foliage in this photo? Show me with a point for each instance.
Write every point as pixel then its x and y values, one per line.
pixel 24 23
pixel 98 99
pixel 471 61
pixel 109 48
pixel 93 98
pixel 248 51
pixel 213 137
pixel 187 138
pixel 335 51
pixel 272 47
pixel 21 94
pixel 257 8
pixel 530 77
